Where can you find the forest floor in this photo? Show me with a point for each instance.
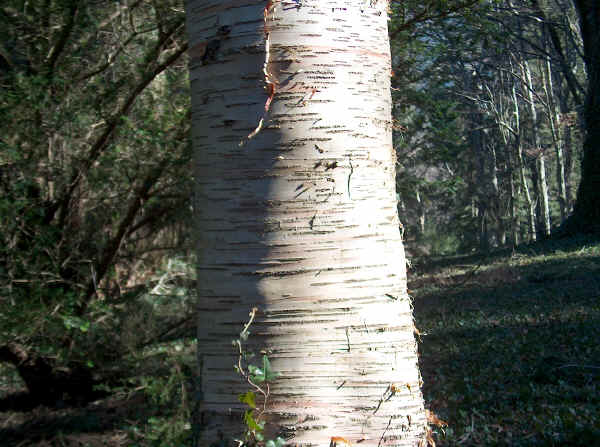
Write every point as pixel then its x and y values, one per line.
pixel 510 344
pixel 509 354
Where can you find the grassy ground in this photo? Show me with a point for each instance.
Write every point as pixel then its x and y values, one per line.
pixel 510 350
pixel 510 355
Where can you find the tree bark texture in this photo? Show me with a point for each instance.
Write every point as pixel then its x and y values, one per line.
pixel 297 216
pixel 586 214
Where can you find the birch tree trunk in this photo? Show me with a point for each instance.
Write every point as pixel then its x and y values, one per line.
pixel 420 213
pixel 540 184
pixel 557 138
pixel 500 108
pixel 297 216
pixel 496 205
pixel 531 217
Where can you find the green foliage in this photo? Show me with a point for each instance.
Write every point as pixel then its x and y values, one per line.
pixel 94 178
pixel 440 242
pixel 266 374
pixel 259 379
pixel 248 398
pixel 173 395
pixel 254 428
pixel 278 442
pixel 457 129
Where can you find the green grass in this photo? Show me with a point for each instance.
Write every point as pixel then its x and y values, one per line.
pixel 509 348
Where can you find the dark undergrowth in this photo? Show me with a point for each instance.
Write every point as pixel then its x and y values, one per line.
pixel 151 408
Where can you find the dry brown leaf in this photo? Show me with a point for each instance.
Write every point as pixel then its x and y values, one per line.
pixel 428 440
pixel 337 441
pixel 433 419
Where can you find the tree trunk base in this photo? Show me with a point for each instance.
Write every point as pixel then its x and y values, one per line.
pixel 47 383
pixel 576 225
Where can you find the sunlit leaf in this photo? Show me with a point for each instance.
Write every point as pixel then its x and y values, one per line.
pixel 248 398
pixel 252 424
pixel 266 374
pixel 268 371
pixel 256 374
pixel 433 419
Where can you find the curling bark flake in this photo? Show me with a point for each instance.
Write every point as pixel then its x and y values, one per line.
pixel 301 222
pixel 270 81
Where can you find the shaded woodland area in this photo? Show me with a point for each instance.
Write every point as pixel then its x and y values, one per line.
pixel 496 124
pixel 492 115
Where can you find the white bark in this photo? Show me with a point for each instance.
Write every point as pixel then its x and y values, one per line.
pixel 553 113
pixel 420 212
pixel 540 163
pixel 298 217
pixel 531 218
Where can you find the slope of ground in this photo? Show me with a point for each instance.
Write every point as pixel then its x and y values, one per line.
pixel 510 350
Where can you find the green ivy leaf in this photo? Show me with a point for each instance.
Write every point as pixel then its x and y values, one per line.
pixel 266 374
pixel 251 423
pixel 248 398
pixel 72 322
pixel 256 374
pixel 279 442
pixel 269 373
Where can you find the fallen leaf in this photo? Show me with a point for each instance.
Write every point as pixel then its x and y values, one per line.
pixel 434 420
pixel 336 441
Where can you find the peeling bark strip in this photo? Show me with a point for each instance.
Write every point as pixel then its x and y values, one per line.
pixel 301 223
pixel 270 80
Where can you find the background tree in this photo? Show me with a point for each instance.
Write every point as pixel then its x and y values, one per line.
pixel 505 133
pixel 586 214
